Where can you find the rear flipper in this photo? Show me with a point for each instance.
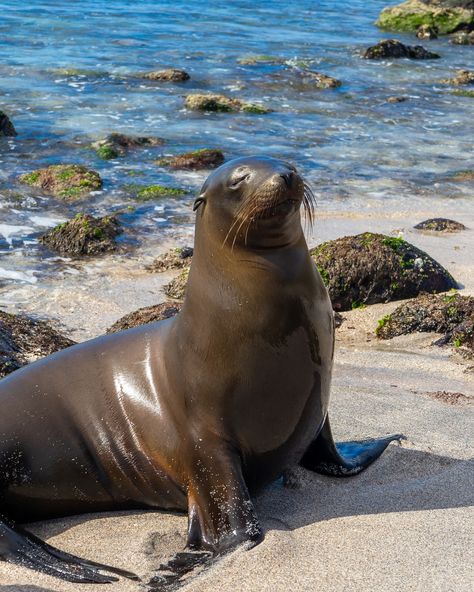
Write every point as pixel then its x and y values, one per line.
pixel 23 548
pixel 344 459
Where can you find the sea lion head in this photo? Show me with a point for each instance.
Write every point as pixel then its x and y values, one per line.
pixel 254 202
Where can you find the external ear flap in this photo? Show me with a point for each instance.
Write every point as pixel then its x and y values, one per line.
pixel 197 202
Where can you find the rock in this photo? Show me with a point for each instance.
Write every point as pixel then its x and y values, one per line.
pixel 221 103
pixel 177 287
pixel 318 80
pixel 451 314
pixel 252 60
pixel 463 38
pixel 115 145
pixel 199 159
pixel 463 93
pixel 78 73
pixel 6 126
pixel 169 75
pixel 427 32
pixel 391 48
pixel 440 225
pixel 23 340
pixel 462 176
pixel 69 182
pixel 173 259
pixel 462 77
pixel 83 235
pixel 446 16
pixel 396 99
pixel 149 192
pixel 143 316
pixel 370 268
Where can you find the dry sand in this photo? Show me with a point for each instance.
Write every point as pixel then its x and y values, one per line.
pixel 405 524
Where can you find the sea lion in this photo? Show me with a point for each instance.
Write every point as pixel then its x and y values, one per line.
pixel 196 412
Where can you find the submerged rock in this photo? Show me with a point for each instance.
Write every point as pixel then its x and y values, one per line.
pixel 176 289
pixel 174 259
pixel 149 192
pixel 391 48
pixel 115 144
pixel 83 235
pixel 66 181
pixel 22 340
pixel 396 99
pixel 451 314
pixel 440 225
pixel 6 126
pixel 462 176
pixel 169 75
pixel 370 268
pixel 252 60
pixel 427 32
pixel 446 15
pixel 314 79
pixel 221 103
pixel 462 77
pixel 143 316
pixel 207 158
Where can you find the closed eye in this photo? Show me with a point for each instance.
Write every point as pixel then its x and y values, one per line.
pixel 236 182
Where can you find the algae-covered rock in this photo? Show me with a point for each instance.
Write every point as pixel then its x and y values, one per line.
pixel 174 259
pixel 440 225
pixel 115 144
pixel 462 77
pixel 168 75
pixel 23 340
pixel 446 15
pixel 221 103
pixel 65 181
pixel 391 48
pixel 6 126
pixel 253 60
pixel 150 192
pixel 207 158
pixel 177 287
pixel 370 268
pixel 143 316
pixel 451 314
pixel 83 235
pixel 463 38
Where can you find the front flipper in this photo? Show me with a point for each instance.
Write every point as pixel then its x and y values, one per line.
pixel 25 549
pixel 343 459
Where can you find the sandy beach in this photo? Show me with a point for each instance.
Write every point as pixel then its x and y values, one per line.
pixel 404 524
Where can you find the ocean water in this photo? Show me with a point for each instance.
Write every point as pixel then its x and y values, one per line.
pixel 358 151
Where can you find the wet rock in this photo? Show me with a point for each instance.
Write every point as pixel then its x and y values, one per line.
pixel 143 316
pixel 396 99
pixel 79 73
pixel 221 103
pixel 451 314
pixel 6 126
pixel 317 79
pixel 462 77
pixel 169 75
pixel 176 289
pixel 463 93
pixel 115 145
pixel 427 32
pixel 83 235
pixel 462 176
pixel 174 259
pixel 252 60
pixel 370 268
pixel 206 158
pixel 440 225
pixel 446 16
pixel 150 192
pixel 391 48
pixel 22 340
pixel 463 38
pixel 69 182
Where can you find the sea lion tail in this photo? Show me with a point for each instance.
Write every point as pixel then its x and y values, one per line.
pixel 25 549
pixel 343 459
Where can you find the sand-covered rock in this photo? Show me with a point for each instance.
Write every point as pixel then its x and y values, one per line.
pixel 440 225
pixel 23 340
pixel 176 289
pixel 221 103
pixel 451 314
pixel 462 77
pixel 168 75
pixel 446 15
pixel 83 235
pixel 69 182
pixel 369 268
pixel 6 126
pixel 207 158
pixel 147 314
pixel 391 48
pixel 178 258
pixel 115 144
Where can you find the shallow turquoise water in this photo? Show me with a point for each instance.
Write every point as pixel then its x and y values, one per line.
pixel 357 150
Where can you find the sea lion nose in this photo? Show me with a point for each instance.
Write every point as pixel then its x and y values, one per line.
pixel 287 177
